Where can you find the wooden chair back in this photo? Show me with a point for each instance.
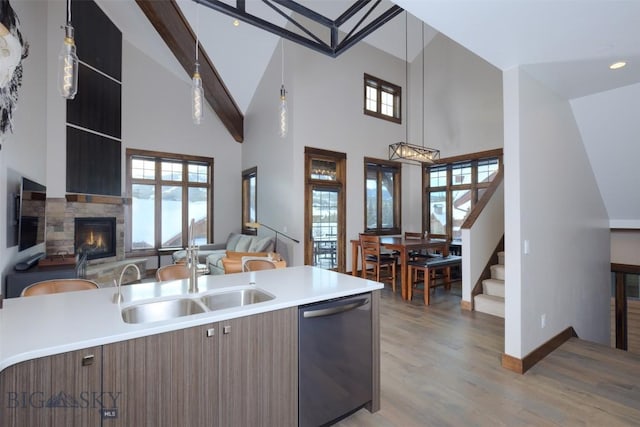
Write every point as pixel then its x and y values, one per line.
pixel 371 255
pixel 55 286
pixel 251 263
pixel 172 272
pixel 412 235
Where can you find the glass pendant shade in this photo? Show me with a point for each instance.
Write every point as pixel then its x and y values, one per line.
pixel 68 65
pixel 283 112
pixel 197 95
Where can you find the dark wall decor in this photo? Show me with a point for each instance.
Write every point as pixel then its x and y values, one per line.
pixel 94 117
pixel 13 49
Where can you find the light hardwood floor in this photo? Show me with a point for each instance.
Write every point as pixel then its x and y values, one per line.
pixel 441 367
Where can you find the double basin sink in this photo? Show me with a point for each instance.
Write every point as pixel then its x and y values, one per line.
pixel 156 311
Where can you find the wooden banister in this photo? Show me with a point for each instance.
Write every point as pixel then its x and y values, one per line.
pixel 482 203
pixel 621 301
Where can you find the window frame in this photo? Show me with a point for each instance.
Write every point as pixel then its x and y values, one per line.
pixel 383 86
pixel 158 182
pixel 380 166
pixel 449 164
pixel 247 175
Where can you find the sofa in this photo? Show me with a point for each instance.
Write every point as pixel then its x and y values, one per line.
pixel 211 254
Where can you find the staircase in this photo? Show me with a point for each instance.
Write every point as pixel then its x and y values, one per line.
pixel 491 300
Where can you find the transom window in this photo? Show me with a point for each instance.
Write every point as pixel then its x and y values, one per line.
pixel 167 192
pixel 382 99
pixel 452 189
pixel 382 196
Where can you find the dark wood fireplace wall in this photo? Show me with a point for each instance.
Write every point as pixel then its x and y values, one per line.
pixel 94 117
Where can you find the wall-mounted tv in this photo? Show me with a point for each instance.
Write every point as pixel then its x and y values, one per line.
pixel 31 218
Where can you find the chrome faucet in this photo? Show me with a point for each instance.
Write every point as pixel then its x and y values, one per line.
pixel 117 298
pixel 192 259
pixel 192 265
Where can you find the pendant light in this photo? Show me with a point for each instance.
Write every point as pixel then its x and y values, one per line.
pixel 197 93
pixel 68 61
pixel 284 125
pixel 403 151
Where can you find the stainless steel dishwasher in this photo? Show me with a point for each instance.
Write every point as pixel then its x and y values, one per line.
pixel 335 359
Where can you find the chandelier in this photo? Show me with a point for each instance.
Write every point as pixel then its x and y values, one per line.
pixel 412 152
pixel 403 150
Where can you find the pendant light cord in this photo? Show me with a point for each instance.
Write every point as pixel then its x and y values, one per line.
pixel 406 73
pixel 197 31
pixel 422 25
pixel 282 60
pixel 68 12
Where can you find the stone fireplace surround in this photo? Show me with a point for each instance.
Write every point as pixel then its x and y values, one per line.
pixel 61 214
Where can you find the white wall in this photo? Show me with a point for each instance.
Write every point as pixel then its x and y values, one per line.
pixel 23 151
pixel 325 104
pixel 463 103
pixel 609 125
pixel 156 115
pixel 625 247
pixel 551 200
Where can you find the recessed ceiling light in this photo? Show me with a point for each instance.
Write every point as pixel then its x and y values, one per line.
pixel 236 22
pixel 617 65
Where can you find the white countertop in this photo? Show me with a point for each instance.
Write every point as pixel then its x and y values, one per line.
pixel 38 326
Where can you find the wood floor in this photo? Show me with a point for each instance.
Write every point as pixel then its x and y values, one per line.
pixel 441 367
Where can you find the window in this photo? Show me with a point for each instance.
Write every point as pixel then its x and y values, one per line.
pixel 249 200
pixel 167 192
pixel 382 196
pixel 452 190
pixel 382 99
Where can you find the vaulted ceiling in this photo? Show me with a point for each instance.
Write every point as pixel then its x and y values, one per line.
pixel 567 45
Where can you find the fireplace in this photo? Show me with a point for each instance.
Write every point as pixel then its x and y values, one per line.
pixel 95 237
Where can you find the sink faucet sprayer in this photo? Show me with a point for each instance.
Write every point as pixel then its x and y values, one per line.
pixel 192 259
pixel 117 298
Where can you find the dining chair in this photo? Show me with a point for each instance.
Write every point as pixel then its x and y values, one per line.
pixel 413 254
pixel 172 272
pixel 55 286
pixel 372 256
pixel 254 263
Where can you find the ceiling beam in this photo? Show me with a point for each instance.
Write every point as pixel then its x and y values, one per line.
pixel 176 32
pixel 288 9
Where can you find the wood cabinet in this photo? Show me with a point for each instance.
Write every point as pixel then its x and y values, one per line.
pixel 259 370
pixel 167 379
pixel 236 372
pixel 60 390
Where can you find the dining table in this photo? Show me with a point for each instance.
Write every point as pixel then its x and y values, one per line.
pixel 403 247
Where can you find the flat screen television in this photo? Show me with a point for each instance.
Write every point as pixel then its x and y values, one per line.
pixel 31 217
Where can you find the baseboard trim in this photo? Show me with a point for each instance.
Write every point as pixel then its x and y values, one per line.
pixel 520 366
pixel 466 305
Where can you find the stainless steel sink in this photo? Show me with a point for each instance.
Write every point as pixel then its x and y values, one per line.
pixel 237 298
pixel 161 310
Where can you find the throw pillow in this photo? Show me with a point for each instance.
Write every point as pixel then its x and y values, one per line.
pixel 232 240
pixel 261 245
pixel 244 243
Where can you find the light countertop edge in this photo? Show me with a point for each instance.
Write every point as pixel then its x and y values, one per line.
pixel 32 327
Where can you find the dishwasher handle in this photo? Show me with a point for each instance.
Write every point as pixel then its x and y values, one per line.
pixel 335 309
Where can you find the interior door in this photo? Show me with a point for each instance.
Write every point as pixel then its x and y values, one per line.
pixel 325 209
pixel 324 227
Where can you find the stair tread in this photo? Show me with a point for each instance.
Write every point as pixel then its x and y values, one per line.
pixel 489 304
pixel 494 281
pixel 489 298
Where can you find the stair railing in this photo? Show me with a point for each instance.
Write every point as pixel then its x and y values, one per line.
pixel 621 272
pixel 474 275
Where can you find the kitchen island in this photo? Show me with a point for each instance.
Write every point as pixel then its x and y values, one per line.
pixel 70 359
